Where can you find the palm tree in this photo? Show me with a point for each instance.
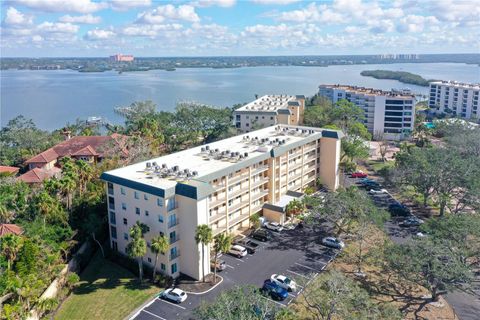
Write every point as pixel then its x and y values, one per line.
pixel 222 243
pixel 45 205
pixel 294 207
pixel 68 185
pixel 137 248
pixel 85 173
pixel 159 244
pixel 6 215
pixel 203 235
pixel 10 244
pixel 255 220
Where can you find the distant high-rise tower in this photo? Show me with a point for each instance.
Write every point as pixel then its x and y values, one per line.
pixel 122 58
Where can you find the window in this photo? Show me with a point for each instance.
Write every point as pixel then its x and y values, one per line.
pixel 263 117
pixel 146 213
pixel 149 260
pixel 271 118
pixel 162 266
pixel 173 253
pixel 237 117
pixel 122 190
pixel 160 202
pixel 173 237
pixel 172 220
pixel 174 268
pixel 160 218
pixel 137 211
pixel 113 232
pixel 110 188
pixel 247 124
pixel 112 218
pixel 124 206
pixel 171 204
pixel 125 236
pixel 111 203
pixel 148 244
pixel 145 196
pixel 135 194
pixel 125 221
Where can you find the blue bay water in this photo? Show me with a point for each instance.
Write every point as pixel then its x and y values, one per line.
pixel 53 98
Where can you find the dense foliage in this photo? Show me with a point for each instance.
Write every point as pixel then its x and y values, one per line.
pixel 402 76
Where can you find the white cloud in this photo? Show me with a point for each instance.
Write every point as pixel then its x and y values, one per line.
pixel 211 3
pixel 416 23
pixel 123 5
pixel 99 34
pixel 152 31
pixel 57 27
pixel 313 14
pixel 13 17
pixel 275 2
pixel 169 12
pixel 85 19
pixel 78 6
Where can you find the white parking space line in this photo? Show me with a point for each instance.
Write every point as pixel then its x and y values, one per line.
pixel 298 274
pixel 279 303
pixel 173 304
pixel 302 265
pixel 153 314
pixel 239 260
pixel 230 266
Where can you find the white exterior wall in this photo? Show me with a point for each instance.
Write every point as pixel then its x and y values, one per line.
pixel 464 102
pixel 379 115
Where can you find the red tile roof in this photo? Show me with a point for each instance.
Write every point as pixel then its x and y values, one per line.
pixel 6 228
pixel 77 146
pixel 7 169
pixel 37 175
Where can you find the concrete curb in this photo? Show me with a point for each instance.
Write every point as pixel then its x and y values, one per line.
pixel 216 285
pixel 137 311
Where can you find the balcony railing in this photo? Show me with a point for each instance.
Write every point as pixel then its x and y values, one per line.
pixel 259 169
pixel 175 255
pixel 173 223
pixel 238 178
pixel 217 216
pixel 175 239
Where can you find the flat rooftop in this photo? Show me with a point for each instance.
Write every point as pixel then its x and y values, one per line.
pixel 199 163
pixel 370 91
pixel 268 103
pixel 458 84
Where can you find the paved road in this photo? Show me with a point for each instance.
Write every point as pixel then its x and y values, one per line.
pixel 297 254
pixel 465 303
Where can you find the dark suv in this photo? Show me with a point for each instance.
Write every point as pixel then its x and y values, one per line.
pixel 261 235
pixel 250 245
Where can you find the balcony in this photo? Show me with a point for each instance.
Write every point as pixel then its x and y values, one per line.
pixel 238 178
pixel 175 255
pixel 259 170
pixel 309 149
pixel 238 219
pixel 237 206
pixel 218 216
pixel 255 196
pixel 173 223
pixel 259 183
pixel 215 202
pixel 174 239
pixel 219 230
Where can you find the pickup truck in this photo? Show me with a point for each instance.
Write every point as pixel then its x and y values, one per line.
pixel 248 244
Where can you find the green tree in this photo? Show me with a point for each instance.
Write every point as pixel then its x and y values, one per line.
pixel 255 220
pixel 295 207
pixel 160 244
pixel 221 244
pixel 10 245
pixel 203 236
pixel 137 247
pixel 47 304
pixel 48 208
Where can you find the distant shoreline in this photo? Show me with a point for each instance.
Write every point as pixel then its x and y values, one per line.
pixel 402 76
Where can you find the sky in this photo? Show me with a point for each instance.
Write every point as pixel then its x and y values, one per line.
pixel 153 28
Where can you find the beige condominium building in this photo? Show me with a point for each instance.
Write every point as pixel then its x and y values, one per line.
pixel 220 184
pixel 270 110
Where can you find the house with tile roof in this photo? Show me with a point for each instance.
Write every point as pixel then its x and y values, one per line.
pixel 6 228
pixel 6 170
pixel 91 149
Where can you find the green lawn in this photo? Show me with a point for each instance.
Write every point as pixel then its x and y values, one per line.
pixel 378 165
pixel 106 291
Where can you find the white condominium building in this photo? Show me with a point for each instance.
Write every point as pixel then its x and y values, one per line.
pixel 391 113
pixel 220 184
pixel 270 110
pixel 458 99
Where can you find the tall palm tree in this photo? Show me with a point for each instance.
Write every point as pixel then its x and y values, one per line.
pixel 10 245
pixel 203 235
pixel 68 185
pixel 222 244
pixel 46 206
pixel 6 215
pixel 159 244
pixel 85 173
pixel 137 248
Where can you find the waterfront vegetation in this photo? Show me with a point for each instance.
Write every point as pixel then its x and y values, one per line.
pixel 402 76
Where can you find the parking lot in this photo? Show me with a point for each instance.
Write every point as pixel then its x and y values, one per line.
pixel 297 254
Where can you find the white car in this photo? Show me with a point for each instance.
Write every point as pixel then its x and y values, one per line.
pixel 333 242
pixel 174 294
pixel 378 191
pixel 274 226
pixel 238 251
pixel 284 282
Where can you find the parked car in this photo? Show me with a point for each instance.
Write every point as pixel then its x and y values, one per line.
pixel 274 290
pixel 238 251
pixel 398 209
pixel 377 191
pixel 411 222
pixel 284 282
pixel 274 226
pixel 248 244
pixel 219 265
pixel 175 295
pixel 261 235
pixel 359 174
pixel 333 242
